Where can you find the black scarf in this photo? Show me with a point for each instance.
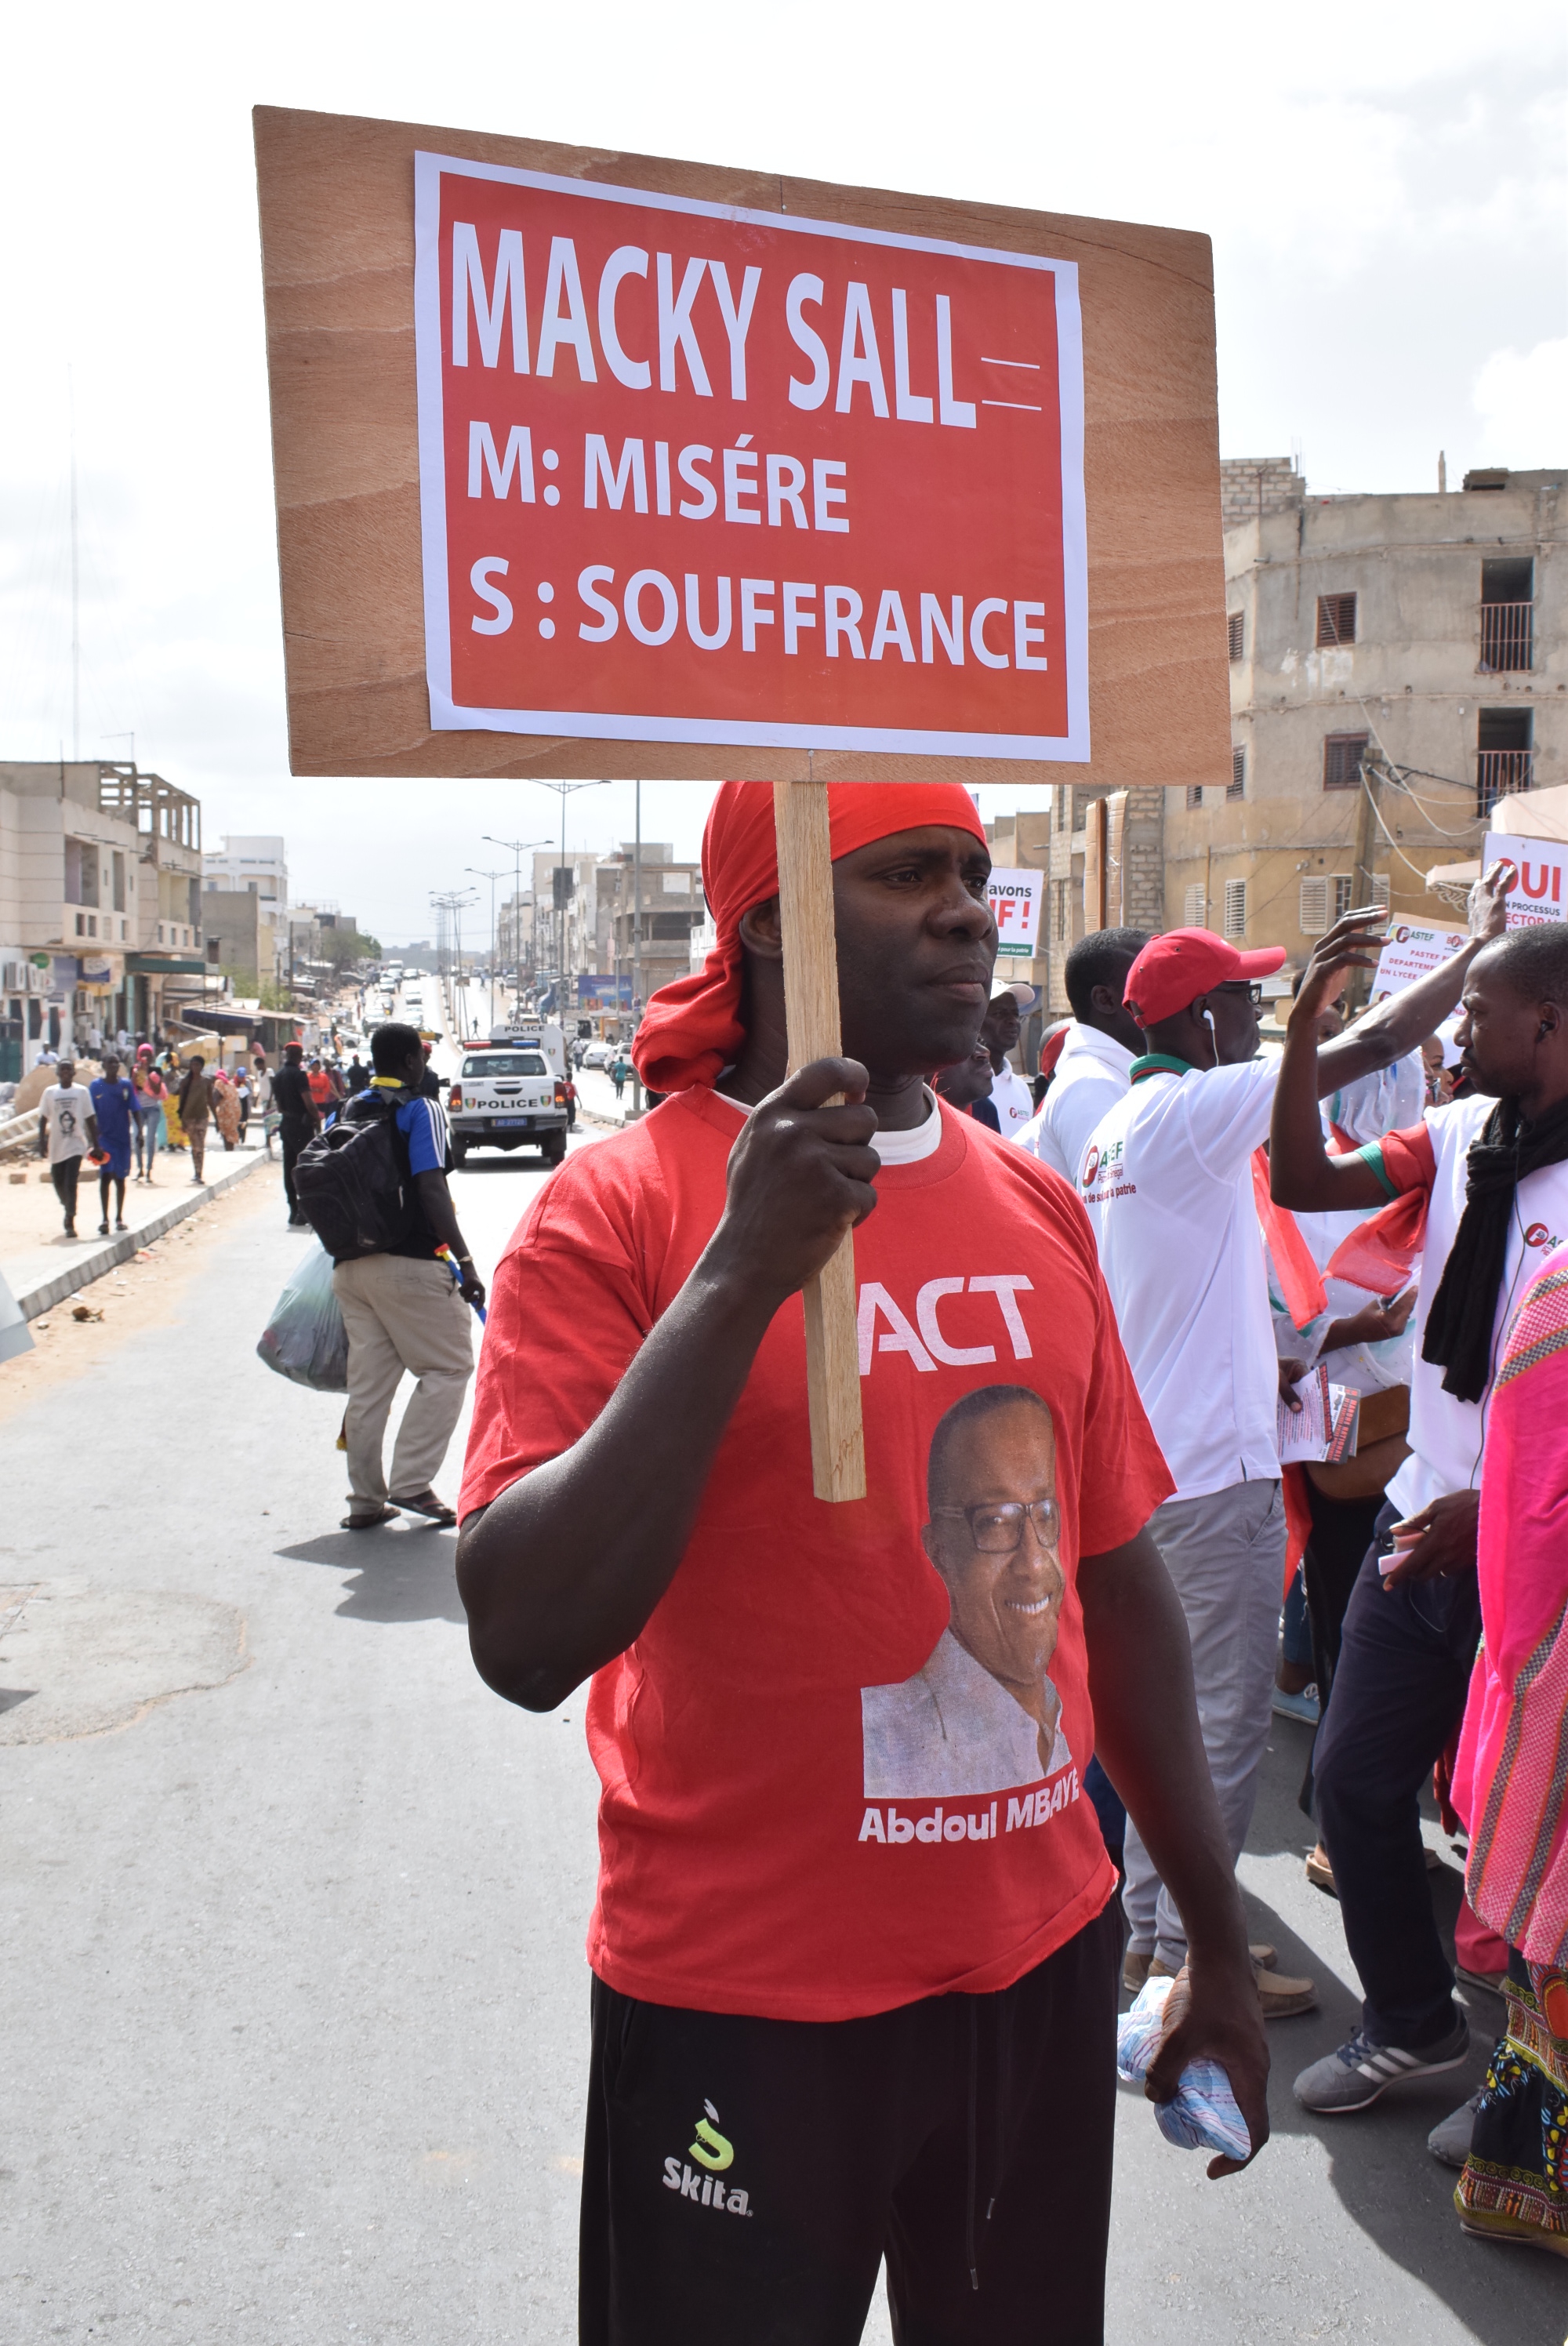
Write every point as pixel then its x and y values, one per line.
pixel 1460 1325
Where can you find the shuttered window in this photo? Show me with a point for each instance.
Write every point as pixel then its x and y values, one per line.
pixel 1336 620
pixel 1193 906
pixel 1314 914
pixel 1194 794
pixel 1237 625
pixel 1344 894
pixel 1237 786
pixel 1235 908
pixel 1342 755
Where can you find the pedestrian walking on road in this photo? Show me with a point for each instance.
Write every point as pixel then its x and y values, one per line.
pixel 225 1109
pixel 816 2015
pixel 294 1104
pixel 243 1094
pixel 619 1071
pixel 150 1090
pixel 195 1103
pixel 67 1128
pixel 113 1110
pixel 358 1076
pixel 402 1308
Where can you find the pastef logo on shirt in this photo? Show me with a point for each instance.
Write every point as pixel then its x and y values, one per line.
pixel 714 2151
pixel 1540 1235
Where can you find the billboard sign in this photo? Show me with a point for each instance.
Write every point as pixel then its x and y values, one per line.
pixel 692 473
pixel 1411 953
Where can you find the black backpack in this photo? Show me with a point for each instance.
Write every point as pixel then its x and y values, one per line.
pixel 354 1184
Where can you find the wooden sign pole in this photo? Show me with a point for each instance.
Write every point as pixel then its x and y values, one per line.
pixel 812 1010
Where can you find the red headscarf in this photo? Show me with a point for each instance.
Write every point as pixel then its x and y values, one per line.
pixel 691 1031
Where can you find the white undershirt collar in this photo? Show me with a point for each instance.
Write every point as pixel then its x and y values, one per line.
pixel 892 1147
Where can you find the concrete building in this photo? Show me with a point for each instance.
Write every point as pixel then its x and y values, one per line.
pixel 100 905
pixel 672 907
pixel 251 944
pixel 1397 665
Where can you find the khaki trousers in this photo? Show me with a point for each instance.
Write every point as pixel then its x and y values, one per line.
pixel 401 1314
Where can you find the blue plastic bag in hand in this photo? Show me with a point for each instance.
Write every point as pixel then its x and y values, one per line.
pixel 1204 2116
pixel 305 1339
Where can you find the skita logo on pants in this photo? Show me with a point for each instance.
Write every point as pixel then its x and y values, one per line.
pixel 713 2151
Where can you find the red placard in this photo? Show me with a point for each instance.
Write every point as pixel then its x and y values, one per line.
pixel 690 472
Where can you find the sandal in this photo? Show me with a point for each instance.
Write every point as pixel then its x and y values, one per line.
pixel 435 1510
pixel 367 1523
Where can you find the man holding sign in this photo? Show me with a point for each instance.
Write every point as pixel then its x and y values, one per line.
pixel 832 2021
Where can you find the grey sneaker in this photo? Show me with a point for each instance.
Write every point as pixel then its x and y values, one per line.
pixel 1353 2078
pixel 1451 2141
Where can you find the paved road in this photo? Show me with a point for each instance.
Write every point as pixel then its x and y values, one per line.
pixel 296 2002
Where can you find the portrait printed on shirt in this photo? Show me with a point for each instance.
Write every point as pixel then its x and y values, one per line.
pixel 982 1715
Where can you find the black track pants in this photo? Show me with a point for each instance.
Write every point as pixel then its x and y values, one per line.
pixel 743 2178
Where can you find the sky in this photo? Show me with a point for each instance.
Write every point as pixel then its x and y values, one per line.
pixel 1385 189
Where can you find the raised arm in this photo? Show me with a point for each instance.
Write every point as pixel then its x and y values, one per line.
pixel 1418 1010
pixel 561 1572
pixel 1301 1173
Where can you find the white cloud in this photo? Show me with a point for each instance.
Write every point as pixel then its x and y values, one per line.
pixel 1522 400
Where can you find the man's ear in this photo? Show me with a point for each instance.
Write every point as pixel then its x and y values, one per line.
pixel 762 932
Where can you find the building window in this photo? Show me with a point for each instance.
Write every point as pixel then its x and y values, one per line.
pixel 1342 755
pixel 214 945
pixel 1335 621
pixel 1313 915
pixel 1236 622
pixel 1507 615
pixel 1235 908
pixel 1504 755
pixel 81 924
pixel 1237 786
pixel 1344 894
pixel 1193 906
pixel 1194 794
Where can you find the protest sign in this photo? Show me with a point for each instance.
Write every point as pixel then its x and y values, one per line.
pixel 617 388
pixel 1087 481
pixel 846 484
pixel 1535 887
pixel 1411 953
pixel 1015 898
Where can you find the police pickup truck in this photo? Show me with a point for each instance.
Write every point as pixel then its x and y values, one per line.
pixel 506 1095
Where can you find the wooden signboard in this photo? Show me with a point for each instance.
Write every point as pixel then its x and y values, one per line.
pixel 601 465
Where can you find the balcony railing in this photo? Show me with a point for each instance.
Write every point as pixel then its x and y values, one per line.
pixel 1498 771
pixel 1506 637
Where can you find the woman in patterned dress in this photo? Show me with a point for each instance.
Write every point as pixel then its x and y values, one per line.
pixel 1512 1782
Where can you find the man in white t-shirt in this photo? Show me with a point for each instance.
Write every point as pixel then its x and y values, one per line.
pixel 999 1031
pixel 1492 1175
pixel 1167 1179
pixel 67 1128
pixel 1093 1072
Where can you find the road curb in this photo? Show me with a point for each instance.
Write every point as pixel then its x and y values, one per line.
pixel 111 1253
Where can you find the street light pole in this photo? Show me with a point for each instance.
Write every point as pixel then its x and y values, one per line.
pixel 492 877
pixel 518 847
pixel 452 903
pixel 563 791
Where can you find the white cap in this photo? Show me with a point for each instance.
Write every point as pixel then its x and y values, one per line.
pixel 1024 996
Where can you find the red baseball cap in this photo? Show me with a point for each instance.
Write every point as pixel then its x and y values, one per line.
pixel 1175 969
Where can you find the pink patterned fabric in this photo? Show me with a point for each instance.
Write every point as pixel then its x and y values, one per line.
pixel 1512 1778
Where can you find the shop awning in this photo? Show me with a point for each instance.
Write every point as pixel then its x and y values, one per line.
pixel 152 964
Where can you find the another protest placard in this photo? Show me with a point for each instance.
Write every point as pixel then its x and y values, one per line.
pixel 1015 898
pixel 1411 953
pixel 1536 889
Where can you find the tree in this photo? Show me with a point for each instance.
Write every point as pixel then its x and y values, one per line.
pixel 342 946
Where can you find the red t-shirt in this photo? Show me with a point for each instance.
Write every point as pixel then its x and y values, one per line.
pixel 819 1801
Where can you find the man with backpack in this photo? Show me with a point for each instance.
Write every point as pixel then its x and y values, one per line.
pixel 374 1189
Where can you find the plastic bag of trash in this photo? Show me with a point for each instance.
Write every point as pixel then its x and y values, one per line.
pixel 1205 2114
pixel 305 1339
